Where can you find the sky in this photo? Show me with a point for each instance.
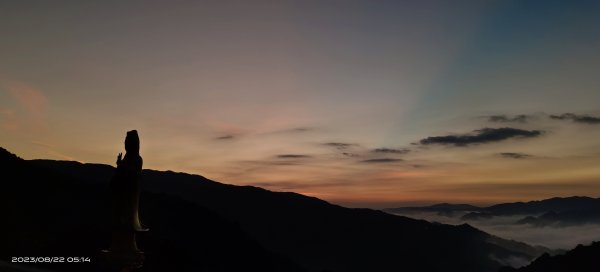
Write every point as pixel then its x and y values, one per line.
pixel 360 103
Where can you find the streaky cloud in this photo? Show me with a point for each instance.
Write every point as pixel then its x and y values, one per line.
pixel 480 136
pixel 301 129
pixel 340 146
pixel 382 160
pixel 294 185
pixel 391 150
pixel 293 130
pixel 225 137
pixel 585 119
pixel 293 156
pixel 521 118
pixel 514 155
pixel 272 162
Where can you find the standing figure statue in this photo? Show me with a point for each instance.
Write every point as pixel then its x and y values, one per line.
pixel 125 196
pixel 125 185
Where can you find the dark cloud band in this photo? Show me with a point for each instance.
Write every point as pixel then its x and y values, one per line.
pixel 521 118
pixel 382 160
pixel 586 119
pixel 485 135
pixel 514 155
pixel 391 150
pixel 293 156
pixel 225 137
pixel 340 146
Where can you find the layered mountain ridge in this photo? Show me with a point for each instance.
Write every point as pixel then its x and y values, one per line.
pixel 197 223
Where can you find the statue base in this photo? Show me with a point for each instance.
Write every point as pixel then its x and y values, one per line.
pixel 124 260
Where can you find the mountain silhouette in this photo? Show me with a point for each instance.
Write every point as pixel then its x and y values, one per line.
pixel 562 211
pixel 46 213
pixel 445 209
pixel 59 208
pixel 557 211
pixel 580 259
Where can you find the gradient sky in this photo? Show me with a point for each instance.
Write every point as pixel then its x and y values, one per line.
pixel 333 99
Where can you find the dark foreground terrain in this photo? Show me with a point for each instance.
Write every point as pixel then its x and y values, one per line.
pixel 580 259
pixel 59 208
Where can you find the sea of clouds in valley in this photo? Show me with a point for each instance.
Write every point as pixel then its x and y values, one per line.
pixel 554 237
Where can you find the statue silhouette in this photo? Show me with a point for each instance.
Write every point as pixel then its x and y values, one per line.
pixel 125 196
pixel 125 185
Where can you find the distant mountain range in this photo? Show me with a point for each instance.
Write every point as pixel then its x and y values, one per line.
pixel 61 208
pixel 554 211
pixel 444 209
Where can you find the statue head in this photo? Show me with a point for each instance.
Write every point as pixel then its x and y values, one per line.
pixel 132 142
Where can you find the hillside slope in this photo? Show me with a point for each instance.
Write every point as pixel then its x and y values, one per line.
pixel 580 259
pixel 310 232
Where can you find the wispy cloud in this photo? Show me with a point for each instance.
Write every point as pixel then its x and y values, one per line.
pixel 30 98
pixel 299 129
pixel 258 164
pixel 29 111
pixel 293 156
pixel 381 160
pixel 44 145
pixel 293 185
pixel 514 155
pixel 8 120
pixel 585 119
pixel 340 146
pixel 291 131
pixel 391 150
pixel 521 118
pixel 225 137
pixel 52 151
pixel 480 136
pixel 60 155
